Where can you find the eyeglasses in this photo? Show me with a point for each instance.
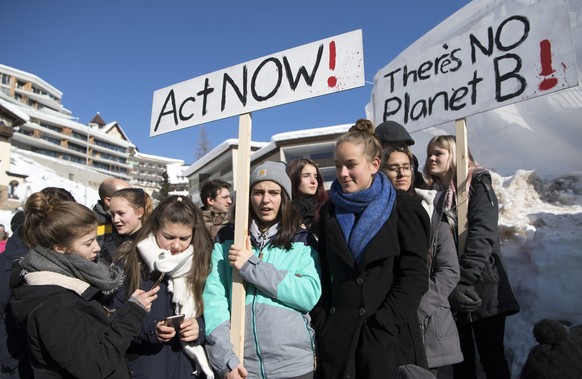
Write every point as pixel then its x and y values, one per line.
pixel 405 170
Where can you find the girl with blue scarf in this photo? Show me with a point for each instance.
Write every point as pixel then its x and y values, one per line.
pixel 373 251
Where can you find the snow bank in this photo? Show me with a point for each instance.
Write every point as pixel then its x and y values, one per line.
pixel 540 223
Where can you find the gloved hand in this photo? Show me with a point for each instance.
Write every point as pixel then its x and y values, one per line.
pixel 464 298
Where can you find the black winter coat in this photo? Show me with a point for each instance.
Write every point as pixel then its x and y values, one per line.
pixel 481 263
pixel 111 243
pixel 366 323
pixel 150 358
pixel 72 335
pixel 13 355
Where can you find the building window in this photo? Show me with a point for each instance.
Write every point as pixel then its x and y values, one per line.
pixel 322 156
pixel 47 153
pixel 5 79
pixel 51 127
pixel 79 136
pixel 79 148
pixel 52 140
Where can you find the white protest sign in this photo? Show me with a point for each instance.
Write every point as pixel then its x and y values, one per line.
pixel 318 68
pixel 510 53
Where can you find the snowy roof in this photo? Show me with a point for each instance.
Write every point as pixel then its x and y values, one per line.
pixel 32 78
pixel 158 158
pixel 216 152
pixel 299 134
pixel 69 121
pixel 110 126
pixel 175 173
pixel 15 110
pixel 97 120
pixel 315 132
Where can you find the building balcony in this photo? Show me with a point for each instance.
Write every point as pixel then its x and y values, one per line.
pixel 6 131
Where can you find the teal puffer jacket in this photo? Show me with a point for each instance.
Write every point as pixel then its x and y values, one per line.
pixel 282 286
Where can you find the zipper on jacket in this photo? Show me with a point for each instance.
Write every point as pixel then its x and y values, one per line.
pixel 488 189
pixel 312 342
pixel 254 323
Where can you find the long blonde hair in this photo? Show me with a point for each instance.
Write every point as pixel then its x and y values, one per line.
pixel 449 143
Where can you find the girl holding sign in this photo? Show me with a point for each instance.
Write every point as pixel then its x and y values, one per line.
pixel 483 297
pixel 373 246
pixel 281 269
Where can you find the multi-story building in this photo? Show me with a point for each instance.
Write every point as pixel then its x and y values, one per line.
pixel 178 182
pixel 147 171
pixel 51 130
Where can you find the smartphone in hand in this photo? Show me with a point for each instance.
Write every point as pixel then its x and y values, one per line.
pixel 174 321
pixel 159 280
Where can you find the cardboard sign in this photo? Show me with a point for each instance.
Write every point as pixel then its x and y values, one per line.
pixel 319 68
pixel 510 53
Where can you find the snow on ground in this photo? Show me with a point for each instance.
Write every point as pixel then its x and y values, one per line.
pixel 540 222
pixel 39 177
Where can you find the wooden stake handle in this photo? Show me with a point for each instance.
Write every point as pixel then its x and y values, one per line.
pixel 462 170
pixel 241 231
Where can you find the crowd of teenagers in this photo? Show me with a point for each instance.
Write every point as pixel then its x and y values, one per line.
pixel 363 280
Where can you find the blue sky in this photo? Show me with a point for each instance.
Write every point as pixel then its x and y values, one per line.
pixel 110 56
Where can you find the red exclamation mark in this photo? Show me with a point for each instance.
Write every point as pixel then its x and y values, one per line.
pixel 332 80
pixel 546 59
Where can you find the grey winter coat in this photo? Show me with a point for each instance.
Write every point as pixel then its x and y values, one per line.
pixel 441 338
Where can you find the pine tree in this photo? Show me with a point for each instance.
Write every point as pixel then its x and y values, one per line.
pixel 203 144
pixel 165 186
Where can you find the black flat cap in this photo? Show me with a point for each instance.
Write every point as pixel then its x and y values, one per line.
pixel 391 132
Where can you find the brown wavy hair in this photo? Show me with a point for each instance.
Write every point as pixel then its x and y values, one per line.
pixel 51 222
pixel 294 169
pixel 176 210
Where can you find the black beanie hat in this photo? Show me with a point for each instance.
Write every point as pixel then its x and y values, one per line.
pixel 17 220
pixel 556 356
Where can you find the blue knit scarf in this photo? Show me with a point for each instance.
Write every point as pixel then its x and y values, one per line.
pixel 373 205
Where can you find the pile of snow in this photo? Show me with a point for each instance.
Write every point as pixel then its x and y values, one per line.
pixel 540 222
pixel 39 177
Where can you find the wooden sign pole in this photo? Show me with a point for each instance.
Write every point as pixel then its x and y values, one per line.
pixel 241 230
pixel 462 170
